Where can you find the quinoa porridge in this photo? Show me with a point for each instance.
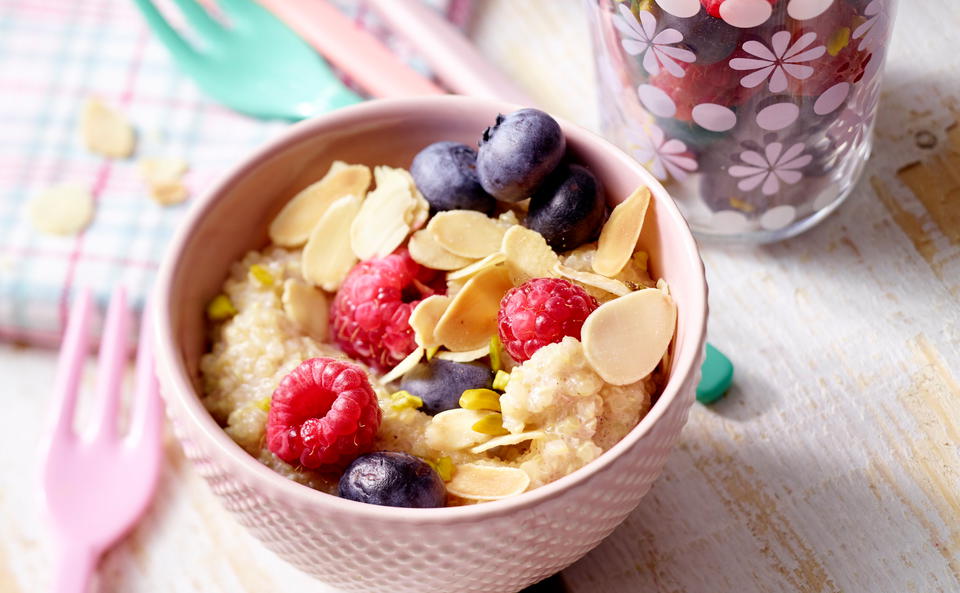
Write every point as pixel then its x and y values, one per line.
pixel 435 340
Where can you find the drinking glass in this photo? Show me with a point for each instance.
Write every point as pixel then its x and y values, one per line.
pixel 757 114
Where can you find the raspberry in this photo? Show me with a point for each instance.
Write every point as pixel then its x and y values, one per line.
pixel 539 312
pixel 843 62
pixel 704 83
pixel 323 413
pixel 371 312
pixel 713 6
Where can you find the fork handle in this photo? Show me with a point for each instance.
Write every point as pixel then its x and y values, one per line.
pixel 75 564
pixel 358 53
pixel 455 60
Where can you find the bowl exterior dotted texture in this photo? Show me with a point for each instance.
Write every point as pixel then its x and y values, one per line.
pixel 493 547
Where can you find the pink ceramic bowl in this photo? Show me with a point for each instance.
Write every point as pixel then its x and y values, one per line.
pixel 499 546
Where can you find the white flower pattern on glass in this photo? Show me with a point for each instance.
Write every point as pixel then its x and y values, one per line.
pixel 872 29
pixel 667 156
pixel 777 62
pixel 767 170
pixel 850 129
pixel 641 37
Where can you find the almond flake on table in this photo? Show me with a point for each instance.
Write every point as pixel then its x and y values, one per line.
pixel 163 176
pixel 106 131
pixel 63 209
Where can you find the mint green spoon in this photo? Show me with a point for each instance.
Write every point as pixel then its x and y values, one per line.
pixel 253 64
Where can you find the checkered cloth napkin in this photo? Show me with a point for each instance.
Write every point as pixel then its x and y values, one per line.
pixel 53 55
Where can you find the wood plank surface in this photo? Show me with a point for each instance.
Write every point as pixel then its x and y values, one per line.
pixel 833 464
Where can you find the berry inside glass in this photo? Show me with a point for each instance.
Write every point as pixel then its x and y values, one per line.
pixel 757 113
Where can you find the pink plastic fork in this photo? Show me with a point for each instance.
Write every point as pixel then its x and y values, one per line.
pixel 97 486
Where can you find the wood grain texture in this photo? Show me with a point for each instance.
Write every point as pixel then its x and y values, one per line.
pixel 833 464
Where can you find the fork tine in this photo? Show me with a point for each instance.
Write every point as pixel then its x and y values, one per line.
pixel 200 19
pixel 73 353
pixel 114 352
pixel 180 49
pixel 146 416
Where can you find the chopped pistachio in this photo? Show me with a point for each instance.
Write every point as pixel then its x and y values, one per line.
pixel 431 352
pixel 491 424
pixel 220 308
pixel 404 399
pixel 261 275
pixel 480 399
pixel 495 361
pixel 444 467
pixel 500 380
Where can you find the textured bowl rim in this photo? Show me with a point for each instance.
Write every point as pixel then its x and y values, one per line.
pixel 183 397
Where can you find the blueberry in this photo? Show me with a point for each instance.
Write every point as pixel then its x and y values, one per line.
pixel 440 383
pixel 392 479
pixel 710 39
pixel 518 152
pixel 446 175
pixel 569 209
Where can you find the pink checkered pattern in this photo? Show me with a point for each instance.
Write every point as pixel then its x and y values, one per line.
pixel 54 54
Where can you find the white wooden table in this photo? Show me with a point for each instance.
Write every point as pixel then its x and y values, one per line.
pixel 833 464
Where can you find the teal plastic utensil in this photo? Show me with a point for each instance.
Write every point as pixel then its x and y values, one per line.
pixel 250 61
pixel 717 376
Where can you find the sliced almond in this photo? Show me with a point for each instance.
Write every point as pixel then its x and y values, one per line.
pixel 595 280
pixel 424 318
pixel 619 236
pixel 169 193
pixel 162 169
pixel 307 307
pixel 527 255
pixel 508 219
pixel 624 339
pixel 494 259
pixel 106 131
pixel 404 366
pixel 63 209
pixel 381 226
pixel 508 439
pixel 451 430
pixel 327 257
pixel 487 482
pixel 425 250
pixel 471 319
pixel 420 213
pixel 163 176
pixel 467 356
pixel 662 285
pixel 467 233
pixel 293 224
